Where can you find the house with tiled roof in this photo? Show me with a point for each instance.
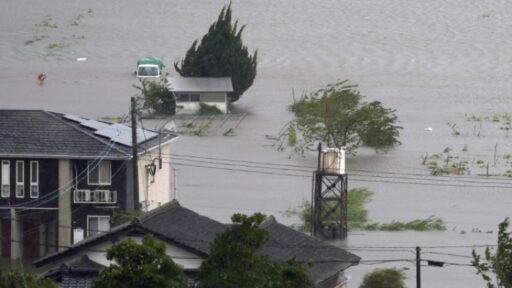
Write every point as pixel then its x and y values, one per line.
pixel 62 178
pixel 188 236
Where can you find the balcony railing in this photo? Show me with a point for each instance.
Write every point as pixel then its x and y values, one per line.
pixel 95 196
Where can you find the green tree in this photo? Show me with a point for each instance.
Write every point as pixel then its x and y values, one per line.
pixel 235 260
pixel 140 265
pixel 125 216
pixel 338 116
pixel 156 96
pixel 16 279
pixel 498 263
pixel 221 53
pixel 384 278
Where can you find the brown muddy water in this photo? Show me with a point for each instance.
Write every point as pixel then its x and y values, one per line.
pixel 434 61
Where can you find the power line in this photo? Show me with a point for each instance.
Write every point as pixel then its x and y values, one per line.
pixel 355 178
pixel 310 168
pixel 376 174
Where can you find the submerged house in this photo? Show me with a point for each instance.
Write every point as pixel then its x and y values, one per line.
pixel 189 92
pixel 63 177
pixel 187 236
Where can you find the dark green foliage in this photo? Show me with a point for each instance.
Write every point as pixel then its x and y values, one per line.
pixel 16 279
pixel 497 263
pixel 140 265
pixel 123 217
pixel 384 278
pixel 156 96
pixel 234 261
pixel 221 53
pixel 338 116
pixel 291 274
pixel 205 109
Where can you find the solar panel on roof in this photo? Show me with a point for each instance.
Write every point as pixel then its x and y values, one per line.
pixel 73 118
pixel 94 124
pixel 123 134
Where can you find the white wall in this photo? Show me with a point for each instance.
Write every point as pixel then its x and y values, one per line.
pixel 156 189
pixel 218 100
pixel 97 253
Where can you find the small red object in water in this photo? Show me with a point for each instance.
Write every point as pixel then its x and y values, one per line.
pixel 41 78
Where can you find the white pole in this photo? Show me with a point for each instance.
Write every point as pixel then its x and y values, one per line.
pixel 175 183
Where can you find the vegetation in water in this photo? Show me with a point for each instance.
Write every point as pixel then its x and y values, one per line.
pixel 205 110
pixel 358 219
pixel 338 116
pixel 495 266
pixel 221 53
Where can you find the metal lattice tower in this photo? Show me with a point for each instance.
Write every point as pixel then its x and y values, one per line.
pixel 329 203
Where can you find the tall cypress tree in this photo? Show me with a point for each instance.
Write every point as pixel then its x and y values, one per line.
pixel 221 53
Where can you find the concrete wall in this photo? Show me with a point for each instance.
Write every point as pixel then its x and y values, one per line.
pixel 155 189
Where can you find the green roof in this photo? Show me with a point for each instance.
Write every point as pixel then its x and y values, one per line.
pixel 151 60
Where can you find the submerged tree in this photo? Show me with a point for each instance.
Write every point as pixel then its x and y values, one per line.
pixel 221 53
pixel 156 96
pixel 498 263
pixel 235 260
pixel 140 265
pixel 338 116
pixel 384 278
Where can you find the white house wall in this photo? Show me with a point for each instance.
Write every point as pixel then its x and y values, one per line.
pixel 218 100
pixel 155 189
pixel 97 253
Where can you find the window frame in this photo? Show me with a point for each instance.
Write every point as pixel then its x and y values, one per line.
pixel 98 231
pixel 20 184
pixel 190 97
pixel 98 168
pixel 5 163
pixel 32 182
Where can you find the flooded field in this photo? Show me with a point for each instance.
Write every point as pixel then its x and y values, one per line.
pixel 438 63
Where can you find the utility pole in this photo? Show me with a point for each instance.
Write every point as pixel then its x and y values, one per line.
pixel 418 267
pixel 135 156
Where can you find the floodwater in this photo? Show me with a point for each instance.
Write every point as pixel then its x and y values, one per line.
pixel 433 61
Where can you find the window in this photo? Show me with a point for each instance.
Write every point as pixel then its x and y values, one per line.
pixel 97 225
pixel 94 196
pixel 194 97
pixel 188 97
pixel 6 179
pixel 34 179
pixel 20 179
pixel 98 174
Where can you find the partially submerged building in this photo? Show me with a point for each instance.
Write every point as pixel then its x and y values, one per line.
pixel 190 92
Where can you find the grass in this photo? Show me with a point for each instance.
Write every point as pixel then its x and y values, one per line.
pixel 192 129
pixel 429 224
pixel 112 119
pixel 206 110
pixel 35 38
pixel 47 23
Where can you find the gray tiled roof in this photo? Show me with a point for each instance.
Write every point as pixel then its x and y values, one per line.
pixel 79 274
pixel 43 134
pixel 194 232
